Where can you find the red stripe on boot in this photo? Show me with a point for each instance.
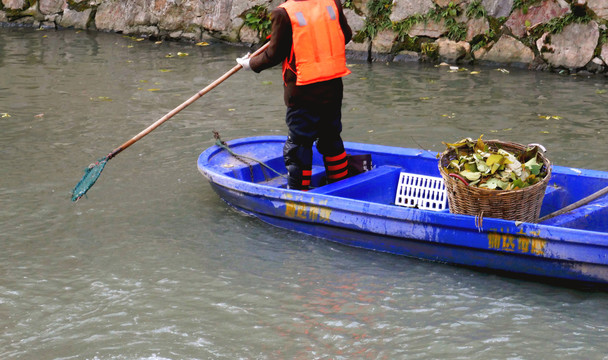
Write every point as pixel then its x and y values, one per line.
pixel 336 158
pixel 337 167
pixel 339 176
pixel 306 175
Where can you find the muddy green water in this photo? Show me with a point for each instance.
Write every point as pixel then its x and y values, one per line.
pixel 152 265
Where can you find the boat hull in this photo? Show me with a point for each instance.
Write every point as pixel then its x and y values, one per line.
pixel 344 213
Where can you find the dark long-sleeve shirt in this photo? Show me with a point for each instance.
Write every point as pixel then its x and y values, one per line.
pixel 281 41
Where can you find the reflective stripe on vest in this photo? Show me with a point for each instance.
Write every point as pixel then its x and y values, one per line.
pixel 318 41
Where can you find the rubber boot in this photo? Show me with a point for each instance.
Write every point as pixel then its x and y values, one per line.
pixel 336 167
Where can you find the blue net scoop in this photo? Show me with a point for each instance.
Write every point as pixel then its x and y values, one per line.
pixel 91 173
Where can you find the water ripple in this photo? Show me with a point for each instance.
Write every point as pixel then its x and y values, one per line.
pixel 153 265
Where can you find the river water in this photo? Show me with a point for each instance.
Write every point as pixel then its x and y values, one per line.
pixel 153 265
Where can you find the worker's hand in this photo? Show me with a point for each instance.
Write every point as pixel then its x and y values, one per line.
pixel 244 62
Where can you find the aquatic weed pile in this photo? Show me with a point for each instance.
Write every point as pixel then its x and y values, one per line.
pixel 478 164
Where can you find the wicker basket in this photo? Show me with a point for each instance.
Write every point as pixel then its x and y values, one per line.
pixel 521 204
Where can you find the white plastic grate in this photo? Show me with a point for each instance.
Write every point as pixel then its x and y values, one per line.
pixel 421 191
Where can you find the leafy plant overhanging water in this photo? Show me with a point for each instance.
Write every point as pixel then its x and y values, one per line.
pixel 483 166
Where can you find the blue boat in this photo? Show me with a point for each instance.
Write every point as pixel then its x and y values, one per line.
pixel 367 211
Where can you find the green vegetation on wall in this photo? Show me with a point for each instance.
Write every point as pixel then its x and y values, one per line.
pixel 555 26
pixel 451 11
pixel 430 50
pixel 475 10
pixel 258 19
pixel 78 6
pixel 376 21
pixel 404 26
pixel 484 39
pixel 491 35
pixel 17 13
pixel 524 5
pixel 455 31
pixel 603 37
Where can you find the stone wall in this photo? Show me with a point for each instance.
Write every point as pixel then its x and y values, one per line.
pixel 558 35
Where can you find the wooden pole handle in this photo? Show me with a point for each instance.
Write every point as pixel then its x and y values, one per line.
pixel 183 105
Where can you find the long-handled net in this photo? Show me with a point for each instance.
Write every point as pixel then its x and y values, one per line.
pixel 93 171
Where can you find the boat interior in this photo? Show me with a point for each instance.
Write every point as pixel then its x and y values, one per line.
pixel 381 184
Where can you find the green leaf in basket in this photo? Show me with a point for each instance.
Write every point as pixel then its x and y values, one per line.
pixel 495 167
pixel 495 159
pixel 458 144
pixel 483 167
pixel 533 166
pixel 519 184
pixel 495 183
pixel 480 145
pixel 470 166
pixel 470 175
pixel 454 164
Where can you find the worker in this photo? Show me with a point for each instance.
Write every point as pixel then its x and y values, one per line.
pixel 308 37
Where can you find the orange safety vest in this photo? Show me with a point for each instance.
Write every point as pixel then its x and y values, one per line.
pixel 318 41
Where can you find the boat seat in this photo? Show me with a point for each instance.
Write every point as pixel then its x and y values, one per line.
pixel 377 185
pixel 591 216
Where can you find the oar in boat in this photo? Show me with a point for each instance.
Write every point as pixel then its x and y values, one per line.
pixel 575 205
pixel 93 171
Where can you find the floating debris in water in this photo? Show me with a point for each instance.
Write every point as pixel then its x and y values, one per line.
pixel 549 117
pixel 101 98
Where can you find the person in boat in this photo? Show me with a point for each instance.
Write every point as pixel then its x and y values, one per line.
pixel 309 38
